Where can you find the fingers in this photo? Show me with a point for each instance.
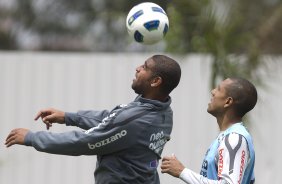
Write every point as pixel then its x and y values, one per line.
pixel 16 136
pixel 38 115
pixel 43 113
pixel 46 116
pixel 12 138
pixel 48 125
pixel 48 120
pixel 12 133
pixel 170 166
pixel 166 161
pixel 165 158
pixel 10 141
pixel 164 170
pixel 165 167
pixel 50 116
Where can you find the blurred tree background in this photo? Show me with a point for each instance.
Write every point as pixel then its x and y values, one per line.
pixel 235 33
pixel 66 25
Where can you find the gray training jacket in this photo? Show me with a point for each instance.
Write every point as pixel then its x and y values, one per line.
pixel 128 140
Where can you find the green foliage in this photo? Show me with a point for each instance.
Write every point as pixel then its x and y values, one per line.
pixel 219 28
pixel 227 30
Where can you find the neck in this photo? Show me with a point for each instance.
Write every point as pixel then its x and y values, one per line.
pixel 227 121
pixel 158 97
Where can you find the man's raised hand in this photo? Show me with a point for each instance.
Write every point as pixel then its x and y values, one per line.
pixel 50 116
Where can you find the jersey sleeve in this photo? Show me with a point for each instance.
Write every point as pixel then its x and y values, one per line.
pixel 85 119
pixel 191 177
pixel 232 160
pixel 233 157
pixel 113 134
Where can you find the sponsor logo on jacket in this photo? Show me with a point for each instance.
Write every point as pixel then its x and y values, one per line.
pixel 220 162
pixel 157 142
pixel 107 140
pixel 242 166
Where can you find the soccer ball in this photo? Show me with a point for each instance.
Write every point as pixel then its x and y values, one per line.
pixel 147 23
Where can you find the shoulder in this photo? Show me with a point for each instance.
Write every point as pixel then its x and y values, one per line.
pixel 234 141
pixel 131 111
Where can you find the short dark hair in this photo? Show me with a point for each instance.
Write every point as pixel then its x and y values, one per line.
pixel 169 70
pixel 243 93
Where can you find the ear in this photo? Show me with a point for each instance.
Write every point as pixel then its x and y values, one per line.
pixel 228 102
pixel 156 81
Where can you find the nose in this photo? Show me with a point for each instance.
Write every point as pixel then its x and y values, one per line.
pixel 212 91
pixel 138 69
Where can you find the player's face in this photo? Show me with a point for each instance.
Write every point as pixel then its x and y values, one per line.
pixel 218 99
pixel 142 82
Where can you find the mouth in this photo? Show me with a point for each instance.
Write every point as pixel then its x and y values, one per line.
pixel 134 78
pixel 211 99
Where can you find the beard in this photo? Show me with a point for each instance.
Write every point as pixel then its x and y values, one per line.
pixel 136 88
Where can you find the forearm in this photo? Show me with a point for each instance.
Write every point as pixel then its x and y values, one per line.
pixel 190 177
pixel 81 143
pixel 56 143
pixel 85 119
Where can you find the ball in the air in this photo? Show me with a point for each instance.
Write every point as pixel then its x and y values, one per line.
pixel 147 23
